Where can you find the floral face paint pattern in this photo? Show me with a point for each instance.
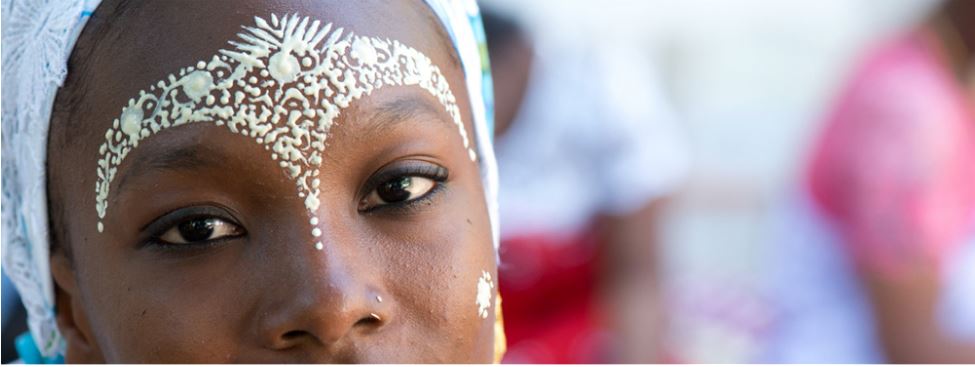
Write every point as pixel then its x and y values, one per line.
pixel 282 84
pixel 485 294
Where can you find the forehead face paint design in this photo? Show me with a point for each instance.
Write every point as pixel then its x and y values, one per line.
pixel 282 84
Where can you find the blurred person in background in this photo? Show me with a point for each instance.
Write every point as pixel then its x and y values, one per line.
pixel 588 150
pixel 891 187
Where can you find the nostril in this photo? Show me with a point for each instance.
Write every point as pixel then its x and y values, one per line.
pixel 295 334
pixel 373 320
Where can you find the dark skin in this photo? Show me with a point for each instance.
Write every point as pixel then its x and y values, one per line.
pixel 262 292
pixel 906 304
pixel 958 29
pixel 511 63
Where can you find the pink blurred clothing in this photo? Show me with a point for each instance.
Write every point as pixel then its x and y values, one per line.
pixel 895 168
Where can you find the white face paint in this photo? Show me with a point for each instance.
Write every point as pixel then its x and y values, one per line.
pixel 485 294
pixel 283 84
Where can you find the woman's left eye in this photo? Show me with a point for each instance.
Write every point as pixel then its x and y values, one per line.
pixel 398 190
pixel 200 230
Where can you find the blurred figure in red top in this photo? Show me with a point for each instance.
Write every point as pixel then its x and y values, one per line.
pixel 588 148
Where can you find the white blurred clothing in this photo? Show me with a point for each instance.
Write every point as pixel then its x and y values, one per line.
pixel 595 134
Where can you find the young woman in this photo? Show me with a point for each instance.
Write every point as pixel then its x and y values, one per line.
pixel 250 181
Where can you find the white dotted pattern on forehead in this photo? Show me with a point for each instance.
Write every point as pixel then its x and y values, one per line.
pixel 283 84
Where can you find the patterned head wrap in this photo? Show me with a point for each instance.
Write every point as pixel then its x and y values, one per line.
pixel 38 37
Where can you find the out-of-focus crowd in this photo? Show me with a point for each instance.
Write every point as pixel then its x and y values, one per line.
pixel 743 181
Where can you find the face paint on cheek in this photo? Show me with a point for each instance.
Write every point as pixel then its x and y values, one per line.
pixel 485 294
pixel 283 84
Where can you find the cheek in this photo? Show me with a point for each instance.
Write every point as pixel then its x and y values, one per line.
pixel 448 275
pixel 142 314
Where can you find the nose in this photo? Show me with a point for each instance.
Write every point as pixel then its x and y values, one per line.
pixel 328 298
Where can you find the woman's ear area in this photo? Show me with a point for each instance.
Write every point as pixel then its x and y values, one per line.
pixel 71 318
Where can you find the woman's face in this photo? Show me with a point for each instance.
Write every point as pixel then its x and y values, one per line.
pixel 206 246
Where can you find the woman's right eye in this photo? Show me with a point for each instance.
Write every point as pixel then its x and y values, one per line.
pixel 200 230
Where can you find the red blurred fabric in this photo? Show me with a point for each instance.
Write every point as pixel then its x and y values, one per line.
pixel 547 282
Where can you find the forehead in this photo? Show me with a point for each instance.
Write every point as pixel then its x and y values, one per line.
pixel 144 42
pixel 165 46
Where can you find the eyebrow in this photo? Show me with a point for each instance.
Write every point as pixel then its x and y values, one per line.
pixel 196 156
pixel 401 110
pixel 189 157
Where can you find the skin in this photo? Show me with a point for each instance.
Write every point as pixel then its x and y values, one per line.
pixel 511 64
pixel 264 294
pixel 629 288
pixel 959 15
pixel 905 304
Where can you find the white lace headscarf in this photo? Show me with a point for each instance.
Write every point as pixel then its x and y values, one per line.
pixel 38 36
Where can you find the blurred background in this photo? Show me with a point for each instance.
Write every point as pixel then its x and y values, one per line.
pixel 693 181
pixel 736 181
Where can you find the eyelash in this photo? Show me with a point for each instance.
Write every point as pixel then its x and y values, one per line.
pixel 168 221
pixel 172 219
pixel 437 173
